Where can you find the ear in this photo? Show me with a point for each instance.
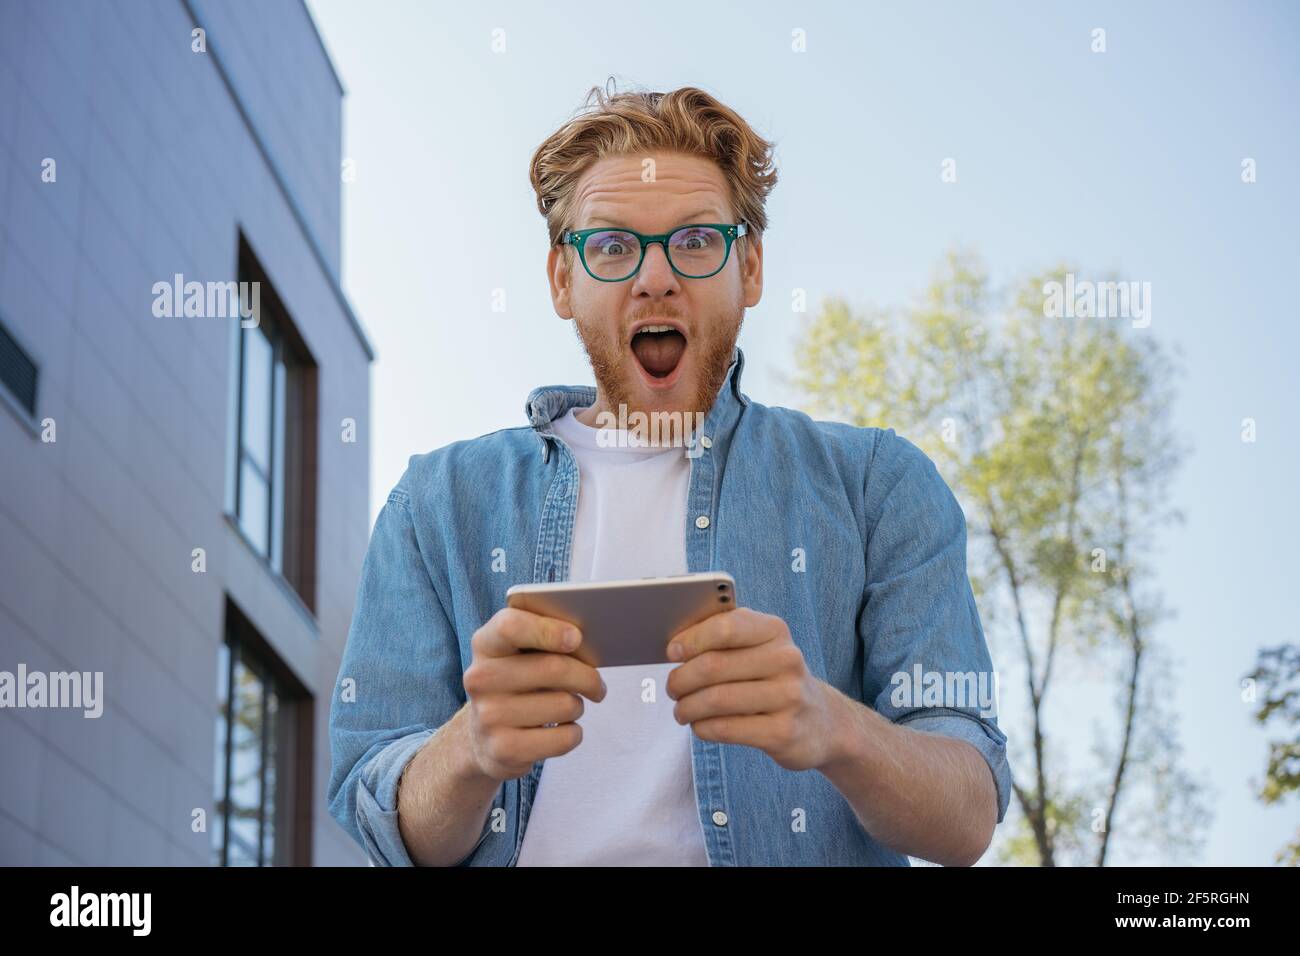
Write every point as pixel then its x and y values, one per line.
pixel 560 276
pixel 751 268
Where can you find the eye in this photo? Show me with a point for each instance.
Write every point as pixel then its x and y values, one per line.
pixel 612 244
pixel 693 240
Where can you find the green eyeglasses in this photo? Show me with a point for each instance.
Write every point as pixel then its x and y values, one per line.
pixel 695 251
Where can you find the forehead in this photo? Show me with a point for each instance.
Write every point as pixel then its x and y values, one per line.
pixel 630 191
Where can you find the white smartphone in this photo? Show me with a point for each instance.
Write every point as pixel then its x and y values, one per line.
pixel 628 622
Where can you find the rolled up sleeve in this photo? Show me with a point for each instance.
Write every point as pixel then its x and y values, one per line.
pixel 983 735
pixel 925 652
pixel 376 799
pixel 377 804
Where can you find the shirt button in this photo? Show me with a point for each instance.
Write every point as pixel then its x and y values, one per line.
pixel 719 818
pixel 702 522
pixel 706 441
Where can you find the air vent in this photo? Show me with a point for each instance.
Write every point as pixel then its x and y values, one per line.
pixel 17 371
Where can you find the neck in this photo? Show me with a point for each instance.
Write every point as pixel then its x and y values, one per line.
pixel 588 415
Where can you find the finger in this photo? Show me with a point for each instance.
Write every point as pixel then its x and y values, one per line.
pixel 741 698
pixel 525 673
pixel 512 630
pixel 740 627
pixel 751 730
pixel 522 747
pixel 535 709
pixel 725 666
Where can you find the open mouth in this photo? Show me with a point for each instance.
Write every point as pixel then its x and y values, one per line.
pixel 659 350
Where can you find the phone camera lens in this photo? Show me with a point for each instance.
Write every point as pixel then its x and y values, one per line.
pixel 722 587
pixel 724 599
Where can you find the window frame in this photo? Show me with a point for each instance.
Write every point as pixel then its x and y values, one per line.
pixel 288 809
pixel 291 532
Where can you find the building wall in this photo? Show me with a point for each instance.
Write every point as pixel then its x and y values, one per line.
pixel 288 87
pixel 157 172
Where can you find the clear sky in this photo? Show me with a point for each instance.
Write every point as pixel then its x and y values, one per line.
pixel 1127 160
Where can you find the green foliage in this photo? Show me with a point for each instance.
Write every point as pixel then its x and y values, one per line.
pixel 1277 681
pixel 1054 435
pixel 1066 819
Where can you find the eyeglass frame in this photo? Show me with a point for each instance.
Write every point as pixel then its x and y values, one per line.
pixel 578 238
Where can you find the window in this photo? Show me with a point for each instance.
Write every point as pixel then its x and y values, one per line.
pixel 261 420
pixel 272 482
pixel 262 756
pixel 17 372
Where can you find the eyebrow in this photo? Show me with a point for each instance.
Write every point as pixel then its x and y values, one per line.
pixel 700 215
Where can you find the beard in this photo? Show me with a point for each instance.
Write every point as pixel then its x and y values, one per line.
pixel 710 348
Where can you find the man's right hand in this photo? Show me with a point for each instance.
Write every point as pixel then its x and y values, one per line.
pixel 514 694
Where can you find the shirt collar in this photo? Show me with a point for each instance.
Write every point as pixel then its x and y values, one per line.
pixel 549 402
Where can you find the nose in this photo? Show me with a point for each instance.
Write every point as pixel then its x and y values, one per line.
pixel 656 277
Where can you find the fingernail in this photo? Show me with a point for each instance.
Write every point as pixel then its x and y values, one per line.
pixel 674 652
pixel 603 689
pixel 570 639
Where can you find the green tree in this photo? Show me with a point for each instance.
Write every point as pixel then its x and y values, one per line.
pixel 1054 434
pixel 1277 678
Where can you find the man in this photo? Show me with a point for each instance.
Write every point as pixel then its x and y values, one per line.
pixel 787 731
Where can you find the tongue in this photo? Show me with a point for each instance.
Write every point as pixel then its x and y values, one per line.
pixel 659 352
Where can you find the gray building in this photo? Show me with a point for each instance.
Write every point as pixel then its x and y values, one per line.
pixel 184 488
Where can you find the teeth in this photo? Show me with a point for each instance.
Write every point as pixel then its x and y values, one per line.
pixel 655 328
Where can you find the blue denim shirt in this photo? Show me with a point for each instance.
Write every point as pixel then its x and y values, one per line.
pixel 848 534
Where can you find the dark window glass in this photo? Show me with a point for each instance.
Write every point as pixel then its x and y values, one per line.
pixel 17 372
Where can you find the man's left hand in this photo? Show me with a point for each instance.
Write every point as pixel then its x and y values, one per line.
pixel 743 680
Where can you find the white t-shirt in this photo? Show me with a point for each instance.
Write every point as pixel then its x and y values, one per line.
pixel 625 796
